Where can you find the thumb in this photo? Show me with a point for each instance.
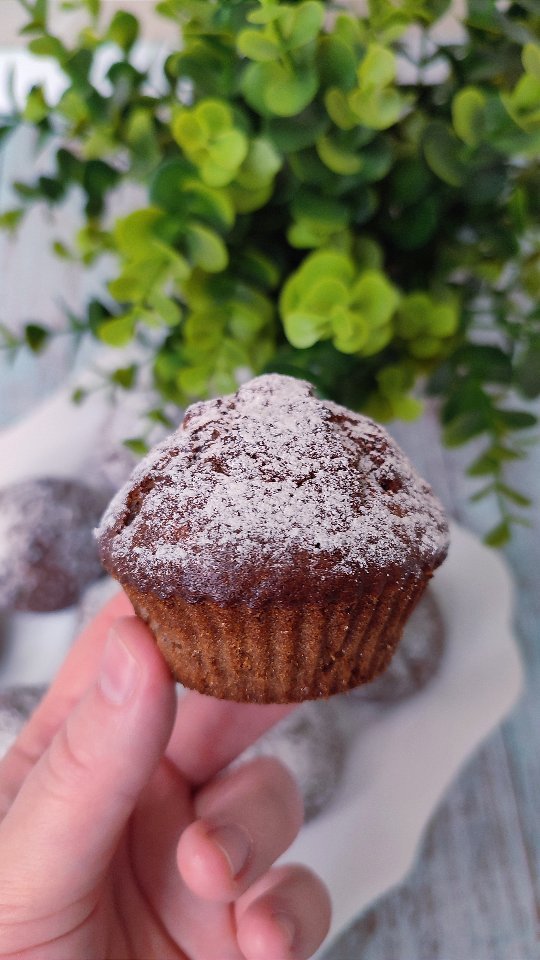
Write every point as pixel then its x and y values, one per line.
pixel 58 837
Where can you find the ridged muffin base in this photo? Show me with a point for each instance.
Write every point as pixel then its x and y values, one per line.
pixel 278 654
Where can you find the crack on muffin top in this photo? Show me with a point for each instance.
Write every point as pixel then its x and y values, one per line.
pixel 271 493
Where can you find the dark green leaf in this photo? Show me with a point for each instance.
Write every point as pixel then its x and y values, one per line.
pixel 443 153
pixel 465 427
pixel 499 535
pixel 514 495
pixel 125 376
pixel 527 371
pixel 489 364
pixel 516 419
pixel 36 337
pixel 51 189
pixel 78 396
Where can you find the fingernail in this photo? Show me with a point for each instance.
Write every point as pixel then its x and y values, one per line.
pixel 287 926
pixel 235 844
pixel 119 671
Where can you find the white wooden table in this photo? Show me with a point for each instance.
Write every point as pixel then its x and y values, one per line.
pixel 475 891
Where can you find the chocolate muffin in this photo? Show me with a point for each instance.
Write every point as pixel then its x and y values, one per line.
pixel 275 544
pixel 48 554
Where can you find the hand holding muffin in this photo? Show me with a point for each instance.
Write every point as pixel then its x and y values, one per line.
pixel 117 838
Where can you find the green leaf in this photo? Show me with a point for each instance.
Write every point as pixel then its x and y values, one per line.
pixel 350 329
pixel 125 376
pixel 137 445
pixel 117 332
pixel 307 21
pixel 499 535
pixel 36 337
pixel 338 159
pixel 442 151
pixel 270 88
pixel 256 46
pixel 378 68
pixel 375 297
pixel 527 371
pixel 468 115
pixel 10 219
pixel 515 496
pixel 36 107
pixel 123 30
pixel 464 427
pixel 168 310
pixel 48 46
pixel 516 419
pixel 377 109
pixel 206 248
pixel 339 109
pixel 484 465
pixel 133 234
pixel 305 329
pixel 531 59
pixel 324 295
pixel 523 104
pixel 336 63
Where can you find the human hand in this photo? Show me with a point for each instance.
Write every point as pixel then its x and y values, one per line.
pixel 118 839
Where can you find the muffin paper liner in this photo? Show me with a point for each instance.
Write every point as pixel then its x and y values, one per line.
pixel 278 654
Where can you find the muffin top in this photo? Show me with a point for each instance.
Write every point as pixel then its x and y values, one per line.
pixel 272 494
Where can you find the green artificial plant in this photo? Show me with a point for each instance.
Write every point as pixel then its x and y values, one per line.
pixel 308 209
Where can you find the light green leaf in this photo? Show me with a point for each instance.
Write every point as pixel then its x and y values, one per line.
pixel 133 234
pixel 531 59
pixel 376 109
pixel 256 46
pixel 289 94
pixel 324 295
pixel 350 330
pixel 375 297
pixel 523 104
pixel 468 115
pixel 229 149
pixel 117 332
pixel 168 310
pixel 378 68
pixel 48 46
pixel 307 21
pixel 443 320
pixel 206 248
pixel 36 108
pixel 336 158
pixel 378 339
pixel 338 109
pixel 214 116
pixel 260 166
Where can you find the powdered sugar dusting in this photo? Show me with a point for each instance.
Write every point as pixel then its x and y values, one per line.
pixel 47 554
pixel 253 485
